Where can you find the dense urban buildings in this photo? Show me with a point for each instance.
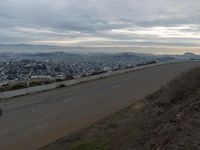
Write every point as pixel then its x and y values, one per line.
pixel 57 66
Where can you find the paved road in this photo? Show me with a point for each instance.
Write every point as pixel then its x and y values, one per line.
pixel 32 121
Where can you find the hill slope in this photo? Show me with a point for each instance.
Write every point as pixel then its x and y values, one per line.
pixel 166 120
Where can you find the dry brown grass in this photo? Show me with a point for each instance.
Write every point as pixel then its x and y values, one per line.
pixel 169 119
pixel 181 87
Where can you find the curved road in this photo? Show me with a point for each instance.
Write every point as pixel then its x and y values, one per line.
pixel 34 120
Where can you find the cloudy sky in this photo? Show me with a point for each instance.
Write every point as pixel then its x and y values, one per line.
pixel 102 23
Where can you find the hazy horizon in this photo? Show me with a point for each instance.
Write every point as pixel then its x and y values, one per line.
pixel 25 48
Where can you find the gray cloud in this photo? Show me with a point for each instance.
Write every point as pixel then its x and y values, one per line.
pixel 94 21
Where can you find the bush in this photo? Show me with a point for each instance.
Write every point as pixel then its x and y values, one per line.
pixel 61 86
pixel 18 86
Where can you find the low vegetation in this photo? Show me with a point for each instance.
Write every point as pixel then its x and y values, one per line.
pixel 22 85
pixel 61 86
pixel 169 119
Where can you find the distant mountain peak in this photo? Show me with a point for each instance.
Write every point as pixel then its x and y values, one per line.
pixel 189 54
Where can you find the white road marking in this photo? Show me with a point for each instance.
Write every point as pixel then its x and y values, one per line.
pixel 116 86
pixel 68 100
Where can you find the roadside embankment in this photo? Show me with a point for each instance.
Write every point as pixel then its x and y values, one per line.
pixel 169 119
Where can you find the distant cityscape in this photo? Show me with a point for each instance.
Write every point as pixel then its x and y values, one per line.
pixel 58 66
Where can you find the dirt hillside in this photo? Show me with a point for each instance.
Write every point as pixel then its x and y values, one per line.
pixel 166 120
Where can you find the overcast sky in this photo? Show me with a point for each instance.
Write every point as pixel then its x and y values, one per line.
pixel 172 23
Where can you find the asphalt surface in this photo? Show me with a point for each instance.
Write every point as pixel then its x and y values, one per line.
pixel 31 121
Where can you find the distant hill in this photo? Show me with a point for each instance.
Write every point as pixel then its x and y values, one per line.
pixel 187 55
pixel 27 48
pixel 30 48
pixel 191 56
